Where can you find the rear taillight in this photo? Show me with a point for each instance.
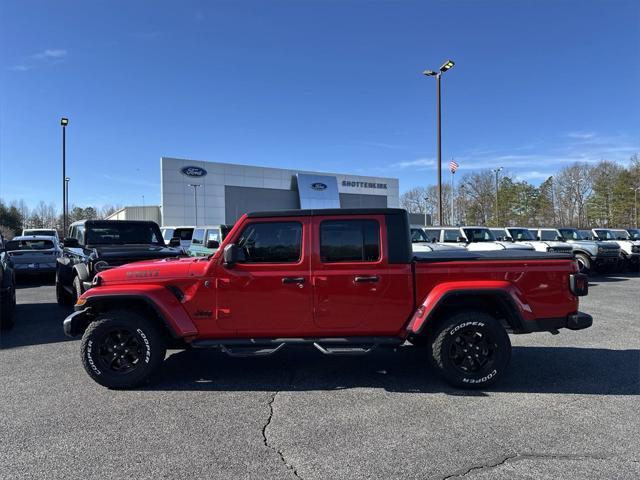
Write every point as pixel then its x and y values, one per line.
pixel 579 284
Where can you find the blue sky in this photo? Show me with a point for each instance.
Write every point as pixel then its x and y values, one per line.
pixel 321 85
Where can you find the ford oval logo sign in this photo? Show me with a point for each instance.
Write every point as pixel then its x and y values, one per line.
pixel 318 186
pixel 193 171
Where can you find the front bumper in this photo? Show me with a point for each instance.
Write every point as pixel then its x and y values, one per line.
pixel 76 323
pixel 575 321
pixel 34 268
pixel 606 260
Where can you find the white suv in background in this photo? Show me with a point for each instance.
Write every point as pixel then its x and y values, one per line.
pixel 590 254
pixel 629 248
pixel 473 238
pixel 421 243
pixel 526 237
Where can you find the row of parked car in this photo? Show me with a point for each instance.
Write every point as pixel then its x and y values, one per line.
pixel 96 245
pixel 596 249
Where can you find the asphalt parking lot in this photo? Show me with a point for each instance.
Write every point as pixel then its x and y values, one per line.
pixel 568 408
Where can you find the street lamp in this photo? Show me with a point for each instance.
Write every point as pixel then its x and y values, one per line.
pixel 497 172
pixel 430 73
pixel 66 199
pixel 64 122
pixel 195 199
pixel 635 204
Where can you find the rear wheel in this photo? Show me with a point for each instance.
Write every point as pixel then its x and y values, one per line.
pixel 63 297
pixel 122 349
pixel 470 349
pixel 584 263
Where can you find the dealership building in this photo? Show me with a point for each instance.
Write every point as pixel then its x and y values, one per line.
pixel 223 191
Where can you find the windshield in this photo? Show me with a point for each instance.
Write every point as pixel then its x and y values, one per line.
pixel 621 234
pixel 122 233
pixel 417 236
pixel 521 234
pixel 571 234
pixel 605 234
pixel 479 235
pixel 14 245
pixel 635 233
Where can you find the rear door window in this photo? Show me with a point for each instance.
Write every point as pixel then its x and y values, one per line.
pixel 349 241
pixel 548 235
pixel 451 236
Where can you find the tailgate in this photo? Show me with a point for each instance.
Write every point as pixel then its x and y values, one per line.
pixel 22 257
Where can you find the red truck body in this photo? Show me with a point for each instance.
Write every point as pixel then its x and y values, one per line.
pixel 394 295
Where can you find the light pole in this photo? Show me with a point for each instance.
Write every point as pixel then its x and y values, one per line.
pixel 144 213
pixel 497 172
pixel 635 204
pixel 430 73
pixel 64 122
pixel 195 199
pixel 66 191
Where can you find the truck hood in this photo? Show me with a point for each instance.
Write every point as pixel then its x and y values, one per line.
pixel 133 252
pixel 155 270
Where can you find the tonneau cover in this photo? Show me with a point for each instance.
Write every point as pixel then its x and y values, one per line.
pixel 467 256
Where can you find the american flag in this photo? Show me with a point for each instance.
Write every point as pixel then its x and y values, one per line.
pixel 453 166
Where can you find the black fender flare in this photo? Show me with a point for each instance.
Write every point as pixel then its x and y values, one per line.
pixel 584 252
pixel 515 320
pixel 82 271
pixel 76 323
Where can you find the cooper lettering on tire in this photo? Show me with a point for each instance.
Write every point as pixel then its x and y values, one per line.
pixel 470 349
pixel 121 349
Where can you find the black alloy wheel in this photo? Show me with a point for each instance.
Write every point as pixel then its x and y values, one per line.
pixel 121 351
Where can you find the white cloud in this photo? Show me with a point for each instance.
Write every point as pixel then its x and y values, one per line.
pixel 55 53
pixel 419 163
pixel 533 175
pixel 581 135
pixel 48 57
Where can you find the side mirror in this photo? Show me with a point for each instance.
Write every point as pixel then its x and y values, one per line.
pixel 559 238
pixel 232 255
pixel 538 238
pixel 461 239
pixel 70 242
pixel 510 239
pixel 174 242
pixel 212 244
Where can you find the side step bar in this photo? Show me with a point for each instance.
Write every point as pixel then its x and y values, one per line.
pixel 241 351
pixel 256 347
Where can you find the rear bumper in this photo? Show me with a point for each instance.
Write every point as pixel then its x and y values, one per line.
pixel 575 321
pixel 26 268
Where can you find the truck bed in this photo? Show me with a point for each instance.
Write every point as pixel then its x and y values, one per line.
pixel 497 255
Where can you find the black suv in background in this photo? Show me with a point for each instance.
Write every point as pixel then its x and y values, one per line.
pixel 7 287
pixel 96 245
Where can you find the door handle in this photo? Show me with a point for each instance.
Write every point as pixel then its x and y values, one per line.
pixel 366 279
pixel 292 280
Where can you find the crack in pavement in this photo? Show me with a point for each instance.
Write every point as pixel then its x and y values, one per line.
pixel 265 439
pixel 524 456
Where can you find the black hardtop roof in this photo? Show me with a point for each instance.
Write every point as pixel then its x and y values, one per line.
pixel 90 222
pixel 327 211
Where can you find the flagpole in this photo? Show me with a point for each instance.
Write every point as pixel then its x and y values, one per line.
pixel 453 218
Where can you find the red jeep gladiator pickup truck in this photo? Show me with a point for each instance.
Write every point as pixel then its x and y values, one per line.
pixel 344 280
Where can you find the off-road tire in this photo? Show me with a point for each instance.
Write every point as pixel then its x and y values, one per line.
pixel 7 310
pixel 78 290
pixel 490 354
pixel 63 297
pixel 148 345
pixel 584 263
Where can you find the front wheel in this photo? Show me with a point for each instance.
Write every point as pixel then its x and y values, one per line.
pixel 122 349
pixel 63 297
pixel 470 349
pixel 584 263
